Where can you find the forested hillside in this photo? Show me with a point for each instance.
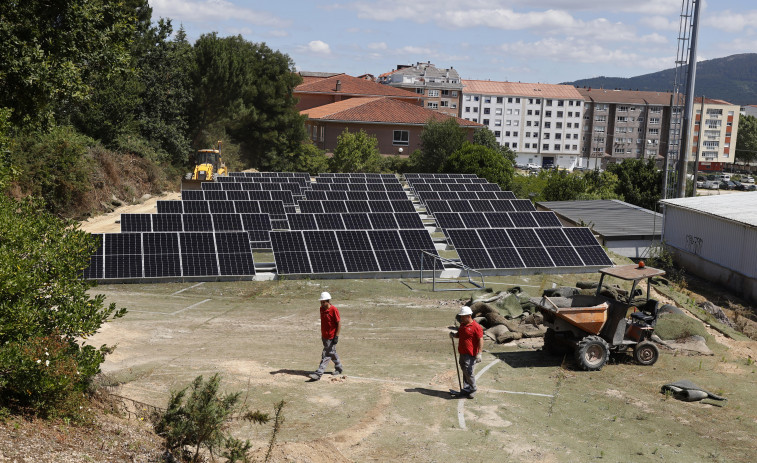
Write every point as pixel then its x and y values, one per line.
pixel 733 79
pixel 83 77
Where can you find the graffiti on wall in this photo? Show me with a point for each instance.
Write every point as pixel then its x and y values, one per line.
pixel 693 244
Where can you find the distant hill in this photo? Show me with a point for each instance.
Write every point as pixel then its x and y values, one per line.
pixel 733 79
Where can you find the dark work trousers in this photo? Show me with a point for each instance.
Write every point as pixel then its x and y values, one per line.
pixel 466 365
pixel 329 353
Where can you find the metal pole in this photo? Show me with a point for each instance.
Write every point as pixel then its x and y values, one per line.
pixel 699 148
pixel 686 136
pixel 457 366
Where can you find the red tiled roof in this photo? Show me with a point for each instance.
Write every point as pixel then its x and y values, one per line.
pixel 353 86
pixel 380 110
pixel 712 101
pixel 487 87
pixel 604 95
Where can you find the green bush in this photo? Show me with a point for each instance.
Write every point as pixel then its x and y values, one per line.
pixel 45 307
pixel 678 326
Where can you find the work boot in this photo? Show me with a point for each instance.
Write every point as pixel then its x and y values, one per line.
pixel 314 376
pixel 471 395
pixel 338 372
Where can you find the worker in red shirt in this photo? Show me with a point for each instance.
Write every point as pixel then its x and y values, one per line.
pixel 331 325
pixel 471 341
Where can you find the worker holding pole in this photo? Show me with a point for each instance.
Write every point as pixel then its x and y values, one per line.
pixel 471 337
pixel 331 325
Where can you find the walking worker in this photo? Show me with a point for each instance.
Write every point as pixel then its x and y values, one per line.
pixel 469 347
pixel 331 325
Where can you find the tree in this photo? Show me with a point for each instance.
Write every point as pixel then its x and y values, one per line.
pixel 307 158
pixel 563 186
pixel 356 152
pixel 438 141
pixel 486 137
pixel 46 311
pixel 746 144
pixel 52 51
pixel 482 161
pixel 639 182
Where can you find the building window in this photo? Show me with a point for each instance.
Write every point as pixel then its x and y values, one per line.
pixel 560 103
pixel 401 137
pixel 547 124
pixel 499 99
pixel 487 100
pixel 485 122
pixel 497 133
pixel 419 91
pixel 623 109
pixel 546 136
pixel 445 103
pixel 467 97
pixel 547 113
pixel 433 93
pixel 498 122
pixel 509 100
pixel 558 125
pixel 548 103
pixel 515 145
pixel 498 111
pixel 487 111
pixel 467 109
pixel 435 105
pixel 654 120
pixel 517 100
pixel 557 147
pixel 559 113
pixel 654 131
pixel 475 109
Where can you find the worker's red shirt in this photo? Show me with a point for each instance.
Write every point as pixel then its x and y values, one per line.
pixel 470 338
pixel 329 320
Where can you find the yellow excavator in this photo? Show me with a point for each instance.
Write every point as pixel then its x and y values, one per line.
pixel 208 166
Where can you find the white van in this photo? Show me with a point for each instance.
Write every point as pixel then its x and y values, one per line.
pixel 722 177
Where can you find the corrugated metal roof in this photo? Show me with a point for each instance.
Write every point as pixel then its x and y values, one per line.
pixel 609 218
pixel 738 207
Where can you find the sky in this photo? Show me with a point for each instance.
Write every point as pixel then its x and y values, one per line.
pixel 548 41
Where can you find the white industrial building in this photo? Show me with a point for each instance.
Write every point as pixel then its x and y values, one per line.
pixel 715 238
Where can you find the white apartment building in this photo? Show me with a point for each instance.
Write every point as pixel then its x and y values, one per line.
pixel 541 123
pixel 714 132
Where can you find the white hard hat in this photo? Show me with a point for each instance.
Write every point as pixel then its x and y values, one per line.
pixel 465 310
pixel 325 296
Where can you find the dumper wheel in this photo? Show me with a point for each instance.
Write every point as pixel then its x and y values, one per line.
pixel 646 353
pixel 551 344
pixel 592 353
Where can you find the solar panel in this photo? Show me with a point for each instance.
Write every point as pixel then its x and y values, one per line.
pixel 462 238
pixel 433 207
pixel 361 195
pixel 393 260
pixel 214 186
pixel 198 254
pixel 564 256
pixel 256 221
pixel 329 221
pixel 383 221
pixel 288 241
pixel 95 268
pixel 580 236
pixel 417 239
pixel 546 219
pixel 593 255
pixel 334 207
pixel 385 239
pixel 136 223
pixel 130 243
pixel 238 195
pixel 196 207
pixel 279 224
pixel 211 195
pixel 161 255
pixel 380 206
pixel 358 206
pixel 474 220
pixel 460 205
pixel 302 222
pixel 234 253
pixel 227 222
pixel 247 207
pixel 326 262
pixel 197 222
pixel 523 220
pixel 504 194
pixel 353 240
pixel 395 195
pixel 535 257
pixel 552 237
pixel 288 262
pixel 336 195
pixel 357 221
pixel 221 207
pixel 481 205
pixel 403 206
pixel 167 222
pixel 311 207
pixel 259 238
pixel 170 207
pixel 524 238
pixel 505 258
pixel 486 195
pixel 502 205
pixel 315 195
pixel 272 207
pixel 446 220
pixel 491 187
pixel 259 195
pixel 474 257
pixel 192 195
pixel 408 220
pixel 495 238
pixel 522 205
pixel 317 240
pixel 360 261
pixel 499 219
pixel 457 187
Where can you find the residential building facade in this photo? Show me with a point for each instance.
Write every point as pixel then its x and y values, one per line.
pixel 441 89
pixel 396 124
pixel 541 123
pixel 714 131
pixel 330 89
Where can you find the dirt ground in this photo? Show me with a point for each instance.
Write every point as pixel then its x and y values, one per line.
pixel 393 404
pixel 109 223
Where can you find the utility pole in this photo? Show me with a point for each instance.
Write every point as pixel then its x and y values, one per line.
pixel 688 109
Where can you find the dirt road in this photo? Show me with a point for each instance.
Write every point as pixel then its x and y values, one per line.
pixel 108 223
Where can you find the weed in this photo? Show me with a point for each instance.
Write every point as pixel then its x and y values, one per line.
pixel 749 361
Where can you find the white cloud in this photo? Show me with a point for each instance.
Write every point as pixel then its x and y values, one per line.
pixel 730 21
pixel 318 47
pixel 377 46
pixel 413 50
pixel 653 38
pixel 213 10
pixel 660 23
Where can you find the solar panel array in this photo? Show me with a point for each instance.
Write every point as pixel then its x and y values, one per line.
pixel 277 188
pixel 355 221
pixel 478 205
pixel 140 223
pixel 349 251
pixel 311 195
pixel 171 255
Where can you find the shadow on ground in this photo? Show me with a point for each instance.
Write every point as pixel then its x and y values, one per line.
pixel 432 392
pixel 526 359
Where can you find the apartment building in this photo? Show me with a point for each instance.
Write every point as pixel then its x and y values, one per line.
pixel 626 124
pixel 441 89
pixel 541 123
pixel 714 131
pixel 323 90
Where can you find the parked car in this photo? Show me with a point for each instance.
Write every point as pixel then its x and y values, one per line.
pixel 711 185
pixel 727 185
pixel 532 166
pixel 750 187
pixel 747 179
pixel 739 185
pixel 700 183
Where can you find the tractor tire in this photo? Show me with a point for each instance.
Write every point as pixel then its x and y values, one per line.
pixel 592 353
pixel 552 345
pixel 646 353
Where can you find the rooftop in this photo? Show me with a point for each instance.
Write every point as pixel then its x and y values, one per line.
pixel 379 110
pixel 352 86
pixel 609 218
pixel 487 87
pixel 604 95
pixel 737 207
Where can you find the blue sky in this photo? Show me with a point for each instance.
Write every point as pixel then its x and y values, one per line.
pixel 547 41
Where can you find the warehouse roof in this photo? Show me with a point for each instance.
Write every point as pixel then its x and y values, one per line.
pixel 738 207
pixel 609 218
